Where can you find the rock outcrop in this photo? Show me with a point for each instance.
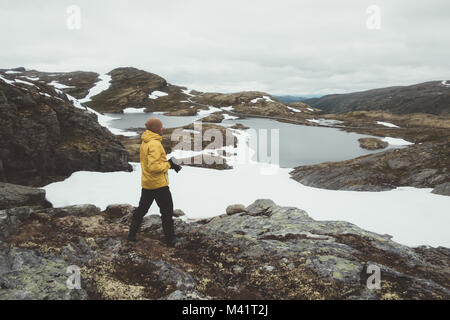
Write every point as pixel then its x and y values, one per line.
pixel 421 165
pixel 129 87
pixel 215 117
pixel 76 83
pixel 265 251
pixel 134 88
pixel 443 189
pixel 12 195
pixel 372 143
pixel 45 137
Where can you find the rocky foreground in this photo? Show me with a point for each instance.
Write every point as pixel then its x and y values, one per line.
pixel 263 251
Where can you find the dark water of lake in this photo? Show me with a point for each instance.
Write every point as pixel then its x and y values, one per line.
pixel 298 144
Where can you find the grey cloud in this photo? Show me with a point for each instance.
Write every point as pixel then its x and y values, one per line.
pixel 282 47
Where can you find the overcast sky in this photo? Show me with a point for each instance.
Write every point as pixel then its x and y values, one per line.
pixel 281 47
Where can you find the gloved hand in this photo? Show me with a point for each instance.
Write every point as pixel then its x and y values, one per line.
pixel 174 165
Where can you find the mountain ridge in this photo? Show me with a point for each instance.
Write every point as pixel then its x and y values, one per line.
pixel 427 97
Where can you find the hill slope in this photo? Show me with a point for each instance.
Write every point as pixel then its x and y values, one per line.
pixel 45 137
pixel 428 97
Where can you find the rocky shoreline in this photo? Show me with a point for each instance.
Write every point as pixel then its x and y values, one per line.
pixel 262 251
pixel 421 165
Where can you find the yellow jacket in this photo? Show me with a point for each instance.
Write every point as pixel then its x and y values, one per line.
pixel 154 164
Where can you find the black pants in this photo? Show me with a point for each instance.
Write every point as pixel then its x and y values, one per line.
pixel 164 201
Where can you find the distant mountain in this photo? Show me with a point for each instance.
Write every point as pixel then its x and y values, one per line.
pixel 428 97
pixel 292 98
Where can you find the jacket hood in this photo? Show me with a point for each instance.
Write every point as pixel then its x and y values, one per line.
pixel 150 135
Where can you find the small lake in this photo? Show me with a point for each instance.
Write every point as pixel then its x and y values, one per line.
pixel 307 145
pixel 137 120
pixel 299 144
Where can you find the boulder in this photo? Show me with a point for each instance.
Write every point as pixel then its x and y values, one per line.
pixel 78 210
pixel 443 189
pixel 372 143
pixel 235 208
pixel 178 213
pixel 12 195
pixel 215 117
pixel 119 210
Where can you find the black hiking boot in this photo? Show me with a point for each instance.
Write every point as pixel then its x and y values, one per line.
pixel 134 227
pixel 170 243
pixel 168 230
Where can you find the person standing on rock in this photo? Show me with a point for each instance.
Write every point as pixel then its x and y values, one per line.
pixel 154 181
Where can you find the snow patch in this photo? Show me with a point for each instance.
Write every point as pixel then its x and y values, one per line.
pixel 228 117
pixel 12 82
pixel 100 86
pixel 134 110
pixel 30 78
pixel 60 85
pixel 25 82
pixel 325 122
pixel 229 108
pixel 102 119
pixel 188 92
pixel 156 94
pixel 266 98
pixel 209 111
pixel 397 141
pixel 46 94
pixel 387 124
pixel 293 109
pixel 7 81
